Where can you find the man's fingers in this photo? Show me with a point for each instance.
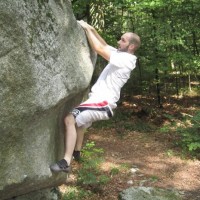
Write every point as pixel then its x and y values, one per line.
pixel 83 24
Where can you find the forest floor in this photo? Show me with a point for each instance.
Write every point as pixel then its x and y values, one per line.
pixel 137 153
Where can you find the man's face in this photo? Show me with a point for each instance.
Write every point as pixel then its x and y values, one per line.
pixel 123 43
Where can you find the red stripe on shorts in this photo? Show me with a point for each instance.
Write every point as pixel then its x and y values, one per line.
pixel 101 104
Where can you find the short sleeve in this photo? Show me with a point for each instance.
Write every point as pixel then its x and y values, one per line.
pixel 123 59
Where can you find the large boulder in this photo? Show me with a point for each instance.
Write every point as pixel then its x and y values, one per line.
pixel 45 68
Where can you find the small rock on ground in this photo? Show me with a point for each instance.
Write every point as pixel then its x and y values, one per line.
pixel 148 193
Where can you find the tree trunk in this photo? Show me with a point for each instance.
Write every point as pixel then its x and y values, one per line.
pixel 189 83
pixel 158 88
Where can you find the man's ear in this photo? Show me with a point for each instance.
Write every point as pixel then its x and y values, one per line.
pixel 132 47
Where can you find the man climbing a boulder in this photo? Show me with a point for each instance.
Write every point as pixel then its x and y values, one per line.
pixel 104 94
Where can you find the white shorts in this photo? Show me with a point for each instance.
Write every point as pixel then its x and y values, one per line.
pixel 88 112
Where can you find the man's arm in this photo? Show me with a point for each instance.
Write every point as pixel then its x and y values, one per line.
pixel 96 41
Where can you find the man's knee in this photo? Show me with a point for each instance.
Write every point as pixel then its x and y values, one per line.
pixel 69 120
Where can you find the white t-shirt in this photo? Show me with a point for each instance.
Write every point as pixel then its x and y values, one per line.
pixel 113 77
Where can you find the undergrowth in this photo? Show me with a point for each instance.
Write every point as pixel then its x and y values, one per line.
pixel 90 178
pixel 188 129
pixel 90 175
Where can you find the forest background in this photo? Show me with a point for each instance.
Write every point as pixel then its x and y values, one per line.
pixel 156 127
pixel 168 64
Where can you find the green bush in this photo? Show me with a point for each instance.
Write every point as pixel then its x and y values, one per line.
pixel 189 131
pixel 190 136
pixel 90 174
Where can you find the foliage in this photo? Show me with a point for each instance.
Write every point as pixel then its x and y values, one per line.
pixel 169 32
pixel 90 179
pixel 76 193
pixel 120 169
pixel 114 171
pixel 188 129
pixel 90 174
pixel 190 136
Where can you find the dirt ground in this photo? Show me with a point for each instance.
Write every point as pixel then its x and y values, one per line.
pixel 152 158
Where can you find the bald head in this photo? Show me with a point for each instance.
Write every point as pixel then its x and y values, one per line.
pixel 134 39
pixel 129 42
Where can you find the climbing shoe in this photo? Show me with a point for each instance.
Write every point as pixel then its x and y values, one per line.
pixel 61 166
pixel 77 156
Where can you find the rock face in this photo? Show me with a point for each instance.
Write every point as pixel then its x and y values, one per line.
pixel 45 68
pixel 148 193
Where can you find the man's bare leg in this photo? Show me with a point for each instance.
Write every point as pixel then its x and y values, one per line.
pixel 80 136
pixel 70 142
pixel 70 137
pixel 79 142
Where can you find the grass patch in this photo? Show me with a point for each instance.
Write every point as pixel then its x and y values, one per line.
pixel 90 174
pixel 114 171
pixel 76 193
